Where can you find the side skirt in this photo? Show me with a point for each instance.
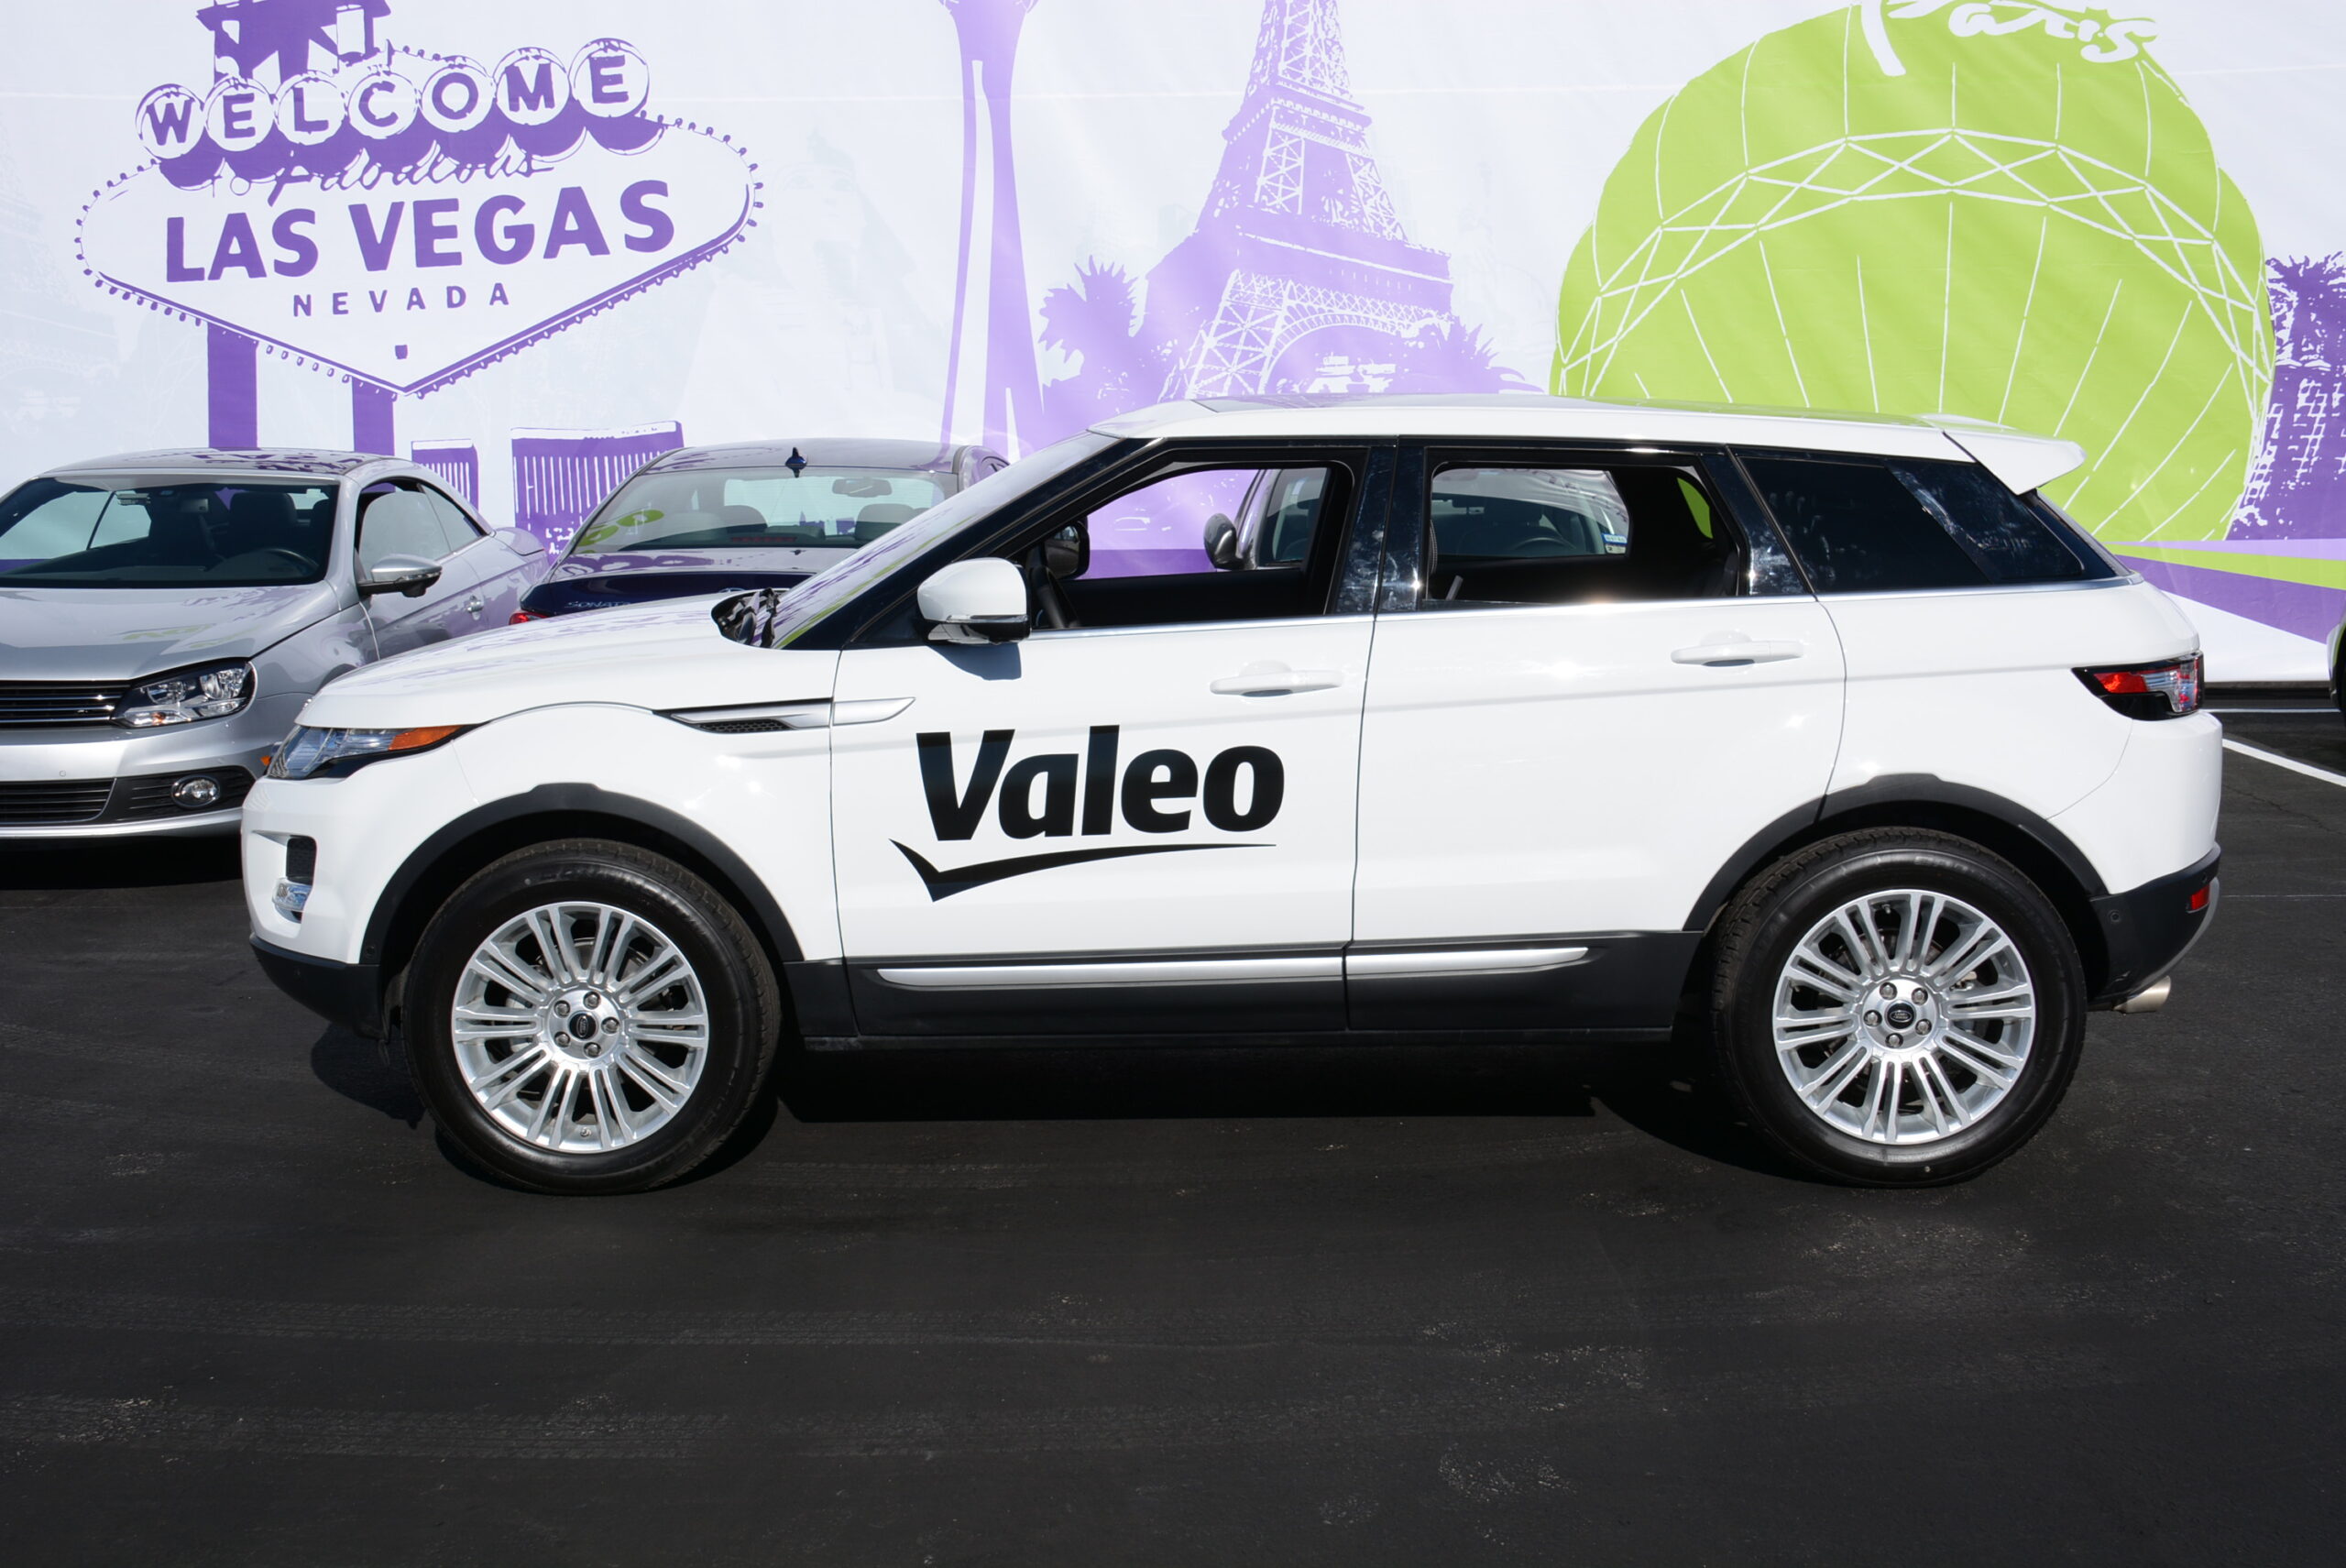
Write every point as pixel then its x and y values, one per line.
pixel 1622 985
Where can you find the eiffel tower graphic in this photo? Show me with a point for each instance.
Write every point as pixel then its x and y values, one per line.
pixel 1298 240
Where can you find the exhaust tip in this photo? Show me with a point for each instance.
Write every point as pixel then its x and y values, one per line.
pixel 2150 998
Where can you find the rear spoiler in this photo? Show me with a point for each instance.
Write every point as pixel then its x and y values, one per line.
pixel 2023 463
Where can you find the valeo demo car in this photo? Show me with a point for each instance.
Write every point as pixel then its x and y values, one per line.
pixel 164 614
pixel 1535 719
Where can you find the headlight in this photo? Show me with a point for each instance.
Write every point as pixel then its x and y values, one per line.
pixel 309 753
pixel 208 691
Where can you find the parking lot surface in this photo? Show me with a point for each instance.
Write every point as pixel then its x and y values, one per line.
pixel 1405 1306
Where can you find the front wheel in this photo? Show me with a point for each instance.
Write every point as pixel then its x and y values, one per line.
pixel 1897 1008
pixel 584 1017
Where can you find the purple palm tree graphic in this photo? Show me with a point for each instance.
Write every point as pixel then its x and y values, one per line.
pixel 992 364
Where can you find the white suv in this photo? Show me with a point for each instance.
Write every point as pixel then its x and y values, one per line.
pixel 1498 717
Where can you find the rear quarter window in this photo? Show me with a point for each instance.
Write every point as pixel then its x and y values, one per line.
pixel 1874 525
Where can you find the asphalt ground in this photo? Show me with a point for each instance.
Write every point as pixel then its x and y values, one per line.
pixel 1350 1307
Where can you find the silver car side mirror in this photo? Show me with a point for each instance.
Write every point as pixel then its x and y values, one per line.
pixel 1222 543
pixel 405 575
pixel 982 600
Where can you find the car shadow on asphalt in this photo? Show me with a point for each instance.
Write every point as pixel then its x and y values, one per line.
pixel 1659 1090
pixel 372 1072
pixel 118 864
pixel 1652 1089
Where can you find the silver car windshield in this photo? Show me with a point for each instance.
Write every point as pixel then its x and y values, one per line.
pixel 771 617
pixel 748 508
pixel 155 532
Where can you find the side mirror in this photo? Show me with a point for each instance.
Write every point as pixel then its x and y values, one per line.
pixel 1067 553
pixel 405 574
pixel 522 541
pixel 1222 543
pixel 982 600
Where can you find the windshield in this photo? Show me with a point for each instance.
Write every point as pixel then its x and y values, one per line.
pixel 771 617
pixel 749 509
pixel 134 531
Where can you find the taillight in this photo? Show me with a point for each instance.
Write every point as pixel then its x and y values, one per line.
pixel 520 616
pixel 2167 690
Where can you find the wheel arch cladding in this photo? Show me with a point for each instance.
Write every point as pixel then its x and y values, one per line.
pixel 444 861
pixel 2041 852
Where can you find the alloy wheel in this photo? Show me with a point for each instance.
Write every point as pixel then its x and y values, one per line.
pixel 580 1027
pixel 1905 1016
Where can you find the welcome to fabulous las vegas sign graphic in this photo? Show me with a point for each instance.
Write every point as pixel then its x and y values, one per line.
pixel 403 217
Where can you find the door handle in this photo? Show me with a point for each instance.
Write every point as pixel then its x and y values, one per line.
pixel 1275 680
pixel 473 604
pixel 1733 649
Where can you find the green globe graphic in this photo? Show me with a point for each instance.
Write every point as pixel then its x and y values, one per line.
pixel 1999 211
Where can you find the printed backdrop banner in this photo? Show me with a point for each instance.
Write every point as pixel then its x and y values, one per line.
pixel 532 244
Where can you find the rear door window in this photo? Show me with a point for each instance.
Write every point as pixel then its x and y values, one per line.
pixel 1876 525
pixel 1534 533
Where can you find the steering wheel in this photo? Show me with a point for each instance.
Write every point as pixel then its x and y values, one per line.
pixel 1538 545
pixel 300 561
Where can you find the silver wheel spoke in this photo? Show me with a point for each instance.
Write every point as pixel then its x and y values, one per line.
pixel 654 1080
pixel 554 1046
pixel 1904 1016
pixel 1836 1076
pixel 499 968
pixel 654 975
pixel 1939 1096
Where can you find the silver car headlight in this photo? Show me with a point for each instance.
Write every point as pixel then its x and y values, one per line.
pixel 311 753
pixel 183 696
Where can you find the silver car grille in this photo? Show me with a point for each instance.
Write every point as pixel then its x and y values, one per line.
pixel 30 705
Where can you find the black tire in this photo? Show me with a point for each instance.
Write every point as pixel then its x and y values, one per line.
pixel 742 1001
pixel 1762 928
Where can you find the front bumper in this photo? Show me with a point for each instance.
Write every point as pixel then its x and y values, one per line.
pixel 179 825
pixel 348 995
pixel 2147 931
pixel 102 781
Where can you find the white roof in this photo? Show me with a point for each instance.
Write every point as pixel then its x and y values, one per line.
pixel 2021 460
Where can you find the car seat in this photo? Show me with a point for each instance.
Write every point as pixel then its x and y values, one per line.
pixel 880 517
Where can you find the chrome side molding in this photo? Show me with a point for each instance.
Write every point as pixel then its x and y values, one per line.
pixel 1461 961
pixel 1095 973
pixel 1114 972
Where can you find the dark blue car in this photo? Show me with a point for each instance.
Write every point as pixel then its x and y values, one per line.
pixel 758 514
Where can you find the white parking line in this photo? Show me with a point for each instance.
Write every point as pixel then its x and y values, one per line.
pixel 2278 761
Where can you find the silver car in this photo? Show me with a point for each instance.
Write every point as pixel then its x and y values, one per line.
pixel 164 614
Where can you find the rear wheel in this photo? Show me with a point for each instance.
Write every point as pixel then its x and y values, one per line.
pixel 585 1017
pixel 1896 1007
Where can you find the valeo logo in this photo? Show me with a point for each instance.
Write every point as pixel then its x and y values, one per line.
pixel 1993 209
pixel 401 215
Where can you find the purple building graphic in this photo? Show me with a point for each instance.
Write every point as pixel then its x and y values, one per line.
pixel 991 365
pixel 457 462
pixel 1299 276
pixel 2297 486
pixel 560 476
